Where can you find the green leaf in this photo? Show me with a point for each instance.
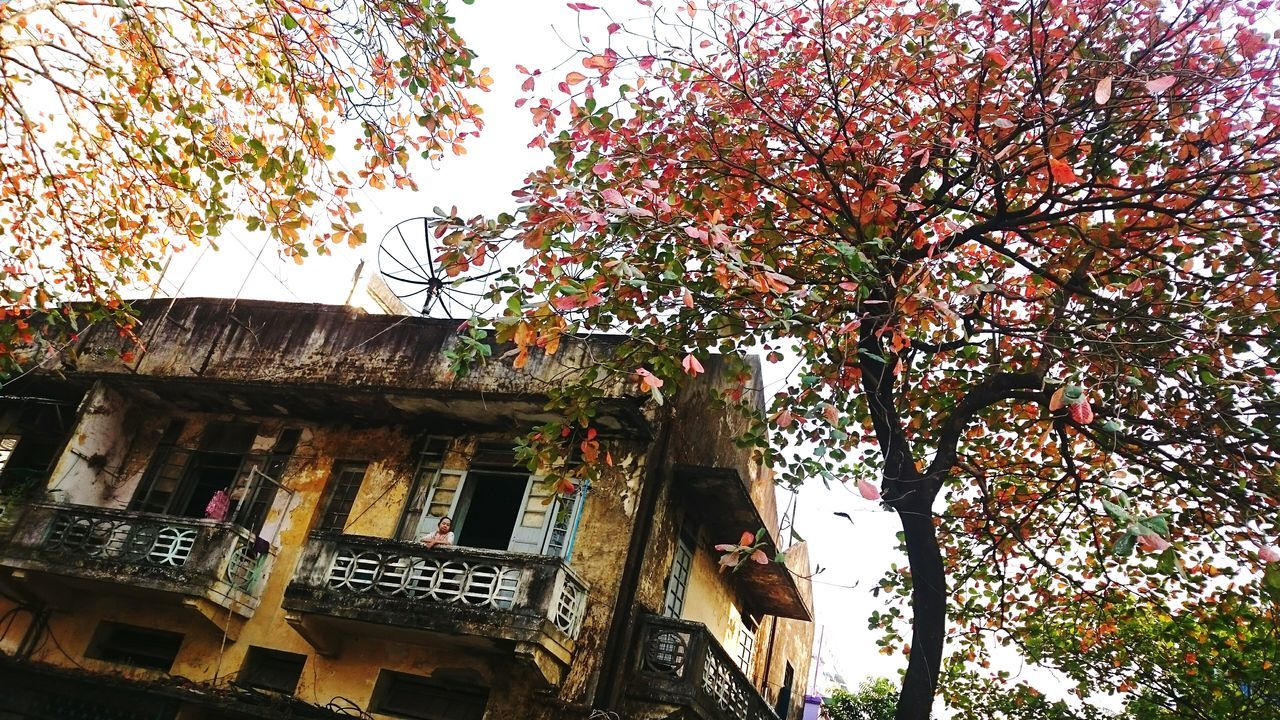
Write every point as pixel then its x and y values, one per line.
pixel 1158 523
pixel 1124 546
pixel 288 22
pixel 1168 562
pixel 1116 512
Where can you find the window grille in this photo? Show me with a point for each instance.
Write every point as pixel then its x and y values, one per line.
pixel 678 579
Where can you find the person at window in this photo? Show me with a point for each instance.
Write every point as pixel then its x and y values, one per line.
pixel 442 536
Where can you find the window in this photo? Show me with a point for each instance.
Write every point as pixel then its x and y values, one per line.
pixel 347 477
pixel 678 578
pixel 495 503
pixel 267 669
pixel 427 484
pixel 783 708
pixel 746 643
pixel 419 698
pixel 181 481
pixel 7 444
pixel 32 435
pixel 132 645
pixel 260 478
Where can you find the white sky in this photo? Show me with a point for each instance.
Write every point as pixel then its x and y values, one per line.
pixel 853 556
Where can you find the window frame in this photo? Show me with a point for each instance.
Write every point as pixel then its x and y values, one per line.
pixel 679 574
pixel 103 646
pixel 256 657
pixel 381 703
pixel 327 521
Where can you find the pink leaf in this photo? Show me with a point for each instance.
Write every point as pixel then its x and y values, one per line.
pixel 760 557
pixel 831 414
pixel 614 27
pixel 1081 412
pixel 565 303
pixel 1152 543
pixel 695 233
pixel 1102 93
pixel 726 547
pixel 1269 554
pixel 728 561
pixel 687 299
pixel 602 169
pixel 691 365
pixel 1160 84
pixel 868 491
pixel 613 197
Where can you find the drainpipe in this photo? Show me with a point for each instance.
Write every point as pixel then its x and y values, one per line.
pixel 768 659
pixel 617 649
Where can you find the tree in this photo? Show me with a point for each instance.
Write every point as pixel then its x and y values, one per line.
pixel 1213 660
pixel 874 700
pixel 132 126
pixel 1021 255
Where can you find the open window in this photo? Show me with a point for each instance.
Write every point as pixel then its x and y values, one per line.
pixel 494 502
pixel 181 480
pixel 32 435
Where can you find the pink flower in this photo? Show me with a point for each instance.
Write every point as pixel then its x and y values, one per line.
pixel 1268 554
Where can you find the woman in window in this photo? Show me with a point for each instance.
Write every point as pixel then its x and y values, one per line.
pixel 442 536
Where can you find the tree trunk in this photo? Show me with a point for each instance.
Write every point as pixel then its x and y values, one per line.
pixel 929 611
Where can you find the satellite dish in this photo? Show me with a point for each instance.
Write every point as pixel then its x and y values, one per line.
pixel 409 259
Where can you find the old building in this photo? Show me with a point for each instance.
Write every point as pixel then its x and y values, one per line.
pixel 226 524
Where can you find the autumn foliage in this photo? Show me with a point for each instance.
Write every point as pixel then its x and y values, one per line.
pixel 1022 256
pixel 131 127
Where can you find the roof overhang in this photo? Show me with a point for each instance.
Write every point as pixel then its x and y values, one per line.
pixel 720 499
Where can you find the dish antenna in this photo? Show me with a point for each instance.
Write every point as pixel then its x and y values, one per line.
pixel 409 258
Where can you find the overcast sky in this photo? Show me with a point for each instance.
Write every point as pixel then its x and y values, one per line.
pixel 853 554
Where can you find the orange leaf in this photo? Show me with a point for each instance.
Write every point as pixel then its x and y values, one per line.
pixel 575 78
pixel 1062 172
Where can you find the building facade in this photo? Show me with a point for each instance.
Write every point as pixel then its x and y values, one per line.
pixel 226 524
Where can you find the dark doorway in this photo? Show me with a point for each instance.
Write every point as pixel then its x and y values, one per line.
pixel 491 513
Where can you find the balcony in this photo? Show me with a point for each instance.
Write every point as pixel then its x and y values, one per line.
pixel 348 585
pixel 679 663
pixel 57 550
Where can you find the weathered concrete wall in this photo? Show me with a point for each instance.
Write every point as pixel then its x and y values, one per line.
pixel 94 469
pixel 262 342
pixel 792 641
